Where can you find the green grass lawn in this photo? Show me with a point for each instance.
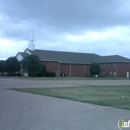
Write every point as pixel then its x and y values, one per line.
pixel 115 96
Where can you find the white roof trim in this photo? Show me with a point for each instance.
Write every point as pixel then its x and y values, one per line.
pixel 28 51
pixel 19 57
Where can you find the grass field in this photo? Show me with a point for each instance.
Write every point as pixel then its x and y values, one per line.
pixel 114 96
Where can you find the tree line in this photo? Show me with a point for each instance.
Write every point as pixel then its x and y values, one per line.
pixel 31 65
pixel 10 65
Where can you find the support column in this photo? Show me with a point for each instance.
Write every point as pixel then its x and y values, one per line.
pixel 70 70
pixel 59 69
pixel 84 70
pixel 116 70
pixel 21 69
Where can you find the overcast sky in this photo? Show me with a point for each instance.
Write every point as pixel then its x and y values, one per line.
pixel 89 26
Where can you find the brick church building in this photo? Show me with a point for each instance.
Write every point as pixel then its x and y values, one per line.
pixel 71 64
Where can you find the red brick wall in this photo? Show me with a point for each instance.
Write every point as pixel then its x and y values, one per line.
pixel 107 69
pixel 77 70
pixel 65 68
pixel 123 68
pixel 87 73
pixel 52 66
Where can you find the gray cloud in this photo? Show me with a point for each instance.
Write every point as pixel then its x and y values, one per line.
pixel 70 14
pixel 54 18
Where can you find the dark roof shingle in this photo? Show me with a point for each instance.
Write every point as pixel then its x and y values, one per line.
pixel 66 57
pixel 113 58
pixel 24 54
pixel 73 57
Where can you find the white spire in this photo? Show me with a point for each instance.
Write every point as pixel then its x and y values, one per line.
pixel 32 36
pixel 31 44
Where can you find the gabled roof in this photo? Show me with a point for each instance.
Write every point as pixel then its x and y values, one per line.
pixel 23 54
pixel 113 58
pixel 73 57
pixel 66 57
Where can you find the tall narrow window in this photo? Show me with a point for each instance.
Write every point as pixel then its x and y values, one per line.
pixel 104 73
pixel 110 73
pixel 114 74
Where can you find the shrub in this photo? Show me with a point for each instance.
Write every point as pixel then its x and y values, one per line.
pixel 95 69
pixel 50 74
pixel 41 72
pixel 62 74
pixel 3 74
pixel 14 74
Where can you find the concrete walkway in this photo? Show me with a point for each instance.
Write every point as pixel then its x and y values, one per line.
pixel 23 111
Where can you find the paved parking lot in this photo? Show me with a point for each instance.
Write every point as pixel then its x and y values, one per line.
pixel 23 111
pixel 24 83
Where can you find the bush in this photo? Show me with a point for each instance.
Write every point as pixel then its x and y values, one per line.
pixel 11 74
pixel 50 74
pixel 41 72
pixel 62 74
pixel 3 74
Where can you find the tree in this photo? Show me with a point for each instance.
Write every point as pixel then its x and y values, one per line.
pixel 33 66
pixel 12 65
pixel 95 69
pixel 2 66
pixel 41 71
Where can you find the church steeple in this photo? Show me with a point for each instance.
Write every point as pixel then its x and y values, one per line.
pixel 31 45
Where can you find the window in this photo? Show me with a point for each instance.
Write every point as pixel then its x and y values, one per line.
pixel 56 73
pixel 101 73
pixel 112 65
pixel 110 73
pixel 104 73
pixel 103 65
pixel 114 73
